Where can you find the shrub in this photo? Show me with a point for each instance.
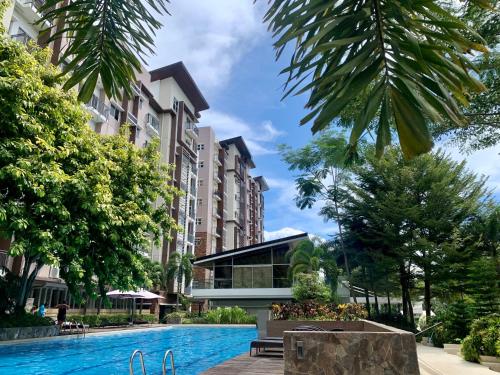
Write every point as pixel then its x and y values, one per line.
pixel 23 319
pixel 483 339
pixel 229 315
pixel 318 311
pixel 308 287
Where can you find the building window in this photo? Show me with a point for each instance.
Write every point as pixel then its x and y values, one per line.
pixel 200 182
pixel 197 241
pixel 140 103
pixel 115 112
pixel 201 146
pixel 175 105
pixel 201 163
pixel 198 221
pixel 200 202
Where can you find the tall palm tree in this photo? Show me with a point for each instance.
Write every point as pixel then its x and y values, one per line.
pixel 179 267
pixel 308 257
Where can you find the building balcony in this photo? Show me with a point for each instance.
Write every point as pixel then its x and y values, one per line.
pixel 98 109
pixel 192 190
pixel 152 124
pixel 217 195
pixel 217 161
pixel 217 214
pixel 132 119
pixel 31 11
pixel 136 90
pixel 217 179
pixel 192 129
pixel 22 38
pixel 183 186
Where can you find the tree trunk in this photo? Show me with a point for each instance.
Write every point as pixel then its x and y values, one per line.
pixel 427 285
pixel 402 281
pixel 344 253
pixel 26 282
pixel 389 303
pixel 377 309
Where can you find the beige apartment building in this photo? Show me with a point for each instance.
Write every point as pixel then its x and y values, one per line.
pixel 166 104
pixel 230 201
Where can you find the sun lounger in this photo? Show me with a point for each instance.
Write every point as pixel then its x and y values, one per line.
pixel 265 344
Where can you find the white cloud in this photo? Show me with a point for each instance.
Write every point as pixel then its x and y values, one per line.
pixel 483 162
pixel 281 233
pixel 288 215
pixel 258 138
pixel 210 36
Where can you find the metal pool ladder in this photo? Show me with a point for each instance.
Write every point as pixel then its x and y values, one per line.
pixel 131 362
pixel 168 353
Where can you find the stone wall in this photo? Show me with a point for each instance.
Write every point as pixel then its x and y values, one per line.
pixel 28 332
pixel 370 349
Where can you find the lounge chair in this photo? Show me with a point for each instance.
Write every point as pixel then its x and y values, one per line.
pixel 277 342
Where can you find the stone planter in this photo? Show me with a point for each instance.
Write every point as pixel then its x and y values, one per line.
pixel 18 333
pixel 362 347
pixel 453 348
pixel 493 363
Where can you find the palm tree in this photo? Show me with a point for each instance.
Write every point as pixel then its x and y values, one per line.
pixel 389 65
pixel 179 267
pixel 308 257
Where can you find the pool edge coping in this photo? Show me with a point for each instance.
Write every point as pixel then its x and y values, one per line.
pixel 121 331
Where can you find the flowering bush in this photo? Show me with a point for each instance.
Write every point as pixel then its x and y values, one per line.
pixel 318 311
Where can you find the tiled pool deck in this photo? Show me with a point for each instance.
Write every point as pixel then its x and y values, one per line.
pixel 246 365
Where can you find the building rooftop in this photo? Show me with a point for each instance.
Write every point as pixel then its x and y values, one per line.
pixel 242 148
pixel 249 249
pixel 263 183
pixel 179 72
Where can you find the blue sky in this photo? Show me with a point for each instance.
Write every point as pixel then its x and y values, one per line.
pixel 229 53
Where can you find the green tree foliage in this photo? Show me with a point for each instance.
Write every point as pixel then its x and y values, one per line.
pixel 407 212
pixel 482 128
pixel 69 197
pixel 106 40
pixel 322 173
pixel 179 268
pixel 405 63
pixel 309 257
pixel 309 287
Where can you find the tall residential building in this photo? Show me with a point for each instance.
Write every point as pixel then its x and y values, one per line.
pixel 230 202
pixel 166 104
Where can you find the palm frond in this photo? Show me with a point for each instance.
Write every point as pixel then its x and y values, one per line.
pixel 405 62
pixel 106 40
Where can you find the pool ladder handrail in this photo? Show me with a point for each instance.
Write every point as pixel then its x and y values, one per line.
pixel 168 353
pixel 131 362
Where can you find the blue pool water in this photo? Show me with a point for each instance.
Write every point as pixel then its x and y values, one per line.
pixel 195 348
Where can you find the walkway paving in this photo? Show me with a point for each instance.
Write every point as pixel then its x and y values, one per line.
pixel 435 361
pixel 246 365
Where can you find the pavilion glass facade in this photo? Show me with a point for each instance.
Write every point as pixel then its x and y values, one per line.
pixel 266 269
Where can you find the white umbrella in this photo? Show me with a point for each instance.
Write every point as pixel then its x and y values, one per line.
pixel 120 294
pixel 147 295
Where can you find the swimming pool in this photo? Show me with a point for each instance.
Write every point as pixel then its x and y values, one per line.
pixel 195 348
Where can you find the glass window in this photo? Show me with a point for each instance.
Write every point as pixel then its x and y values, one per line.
pixel 279 255
pixel 242 277
pixel 223 272
pixel 262 277
pixel 201 164
pixel 280 277
pixel 262 258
